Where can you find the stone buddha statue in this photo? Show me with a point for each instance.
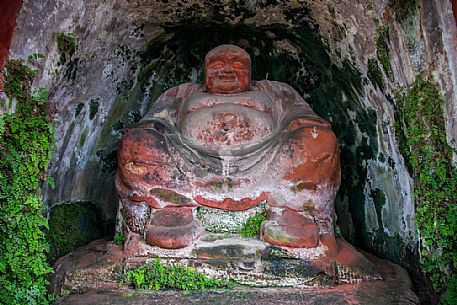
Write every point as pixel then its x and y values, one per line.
pixel 229 144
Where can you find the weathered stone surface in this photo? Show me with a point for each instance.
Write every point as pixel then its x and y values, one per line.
pixel 91 273
pixel 93 265
pixel 172 228
pixel 291 229
pixel 221 221
pixel 229 248
pixel 368 293
pixel 128 52
pixel 440 35
pixel 100 264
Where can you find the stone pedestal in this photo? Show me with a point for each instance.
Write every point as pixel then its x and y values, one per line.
pixel 222 253
pixel 101 264
pixel 254 262
pixel 395 288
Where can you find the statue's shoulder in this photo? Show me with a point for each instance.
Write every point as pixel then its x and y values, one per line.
pixel 166 107
pixel 292 103
pixel 283 92
pixel 181 91
pixel 273 86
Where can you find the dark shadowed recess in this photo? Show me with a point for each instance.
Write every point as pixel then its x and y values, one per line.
pixel 72 225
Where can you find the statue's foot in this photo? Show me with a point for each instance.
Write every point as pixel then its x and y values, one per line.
pixel 173 228
pixel 290 229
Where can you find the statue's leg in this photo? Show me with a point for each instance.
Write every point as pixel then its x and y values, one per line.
pixel 148 184
pixel 301 211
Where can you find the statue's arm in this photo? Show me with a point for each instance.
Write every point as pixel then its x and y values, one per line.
pixel 297 110
pixel 166 106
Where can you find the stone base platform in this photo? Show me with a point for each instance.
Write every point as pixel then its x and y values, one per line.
pixel 91 274
pixel 101 264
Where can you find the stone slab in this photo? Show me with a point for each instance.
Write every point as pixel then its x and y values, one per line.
pixel 396 288
pixel 101 264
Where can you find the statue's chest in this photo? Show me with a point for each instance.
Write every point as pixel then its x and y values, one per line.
pixel 226 125
pixel 223 122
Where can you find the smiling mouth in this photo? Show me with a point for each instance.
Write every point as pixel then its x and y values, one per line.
pixel 226 79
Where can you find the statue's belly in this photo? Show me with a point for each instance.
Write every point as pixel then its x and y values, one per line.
pixel 226 125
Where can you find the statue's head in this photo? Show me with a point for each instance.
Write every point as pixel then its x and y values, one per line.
pixel 227 70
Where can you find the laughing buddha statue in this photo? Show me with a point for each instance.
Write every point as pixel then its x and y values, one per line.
pixel 257 141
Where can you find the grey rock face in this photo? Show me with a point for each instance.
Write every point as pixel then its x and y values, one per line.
pixel 128 52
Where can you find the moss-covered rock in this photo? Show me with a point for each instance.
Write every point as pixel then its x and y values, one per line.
pixel 66 45
pixel 421 132
pixel 72 225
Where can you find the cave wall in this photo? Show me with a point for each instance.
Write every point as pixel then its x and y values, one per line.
pixel 440 36
pixel 127 52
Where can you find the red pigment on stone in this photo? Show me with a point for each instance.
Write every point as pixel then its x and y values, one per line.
pixel 9 10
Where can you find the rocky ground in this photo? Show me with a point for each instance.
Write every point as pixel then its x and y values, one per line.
pixel 395 288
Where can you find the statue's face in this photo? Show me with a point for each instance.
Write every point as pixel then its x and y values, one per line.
pixel 227 70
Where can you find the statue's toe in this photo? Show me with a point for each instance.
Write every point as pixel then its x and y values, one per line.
pixel 298 232
pixel 173 228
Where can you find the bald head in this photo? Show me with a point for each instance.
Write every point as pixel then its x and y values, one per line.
pixel 227 70
pixel 227 48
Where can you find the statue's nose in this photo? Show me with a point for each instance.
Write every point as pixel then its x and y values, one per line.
pixel 227 68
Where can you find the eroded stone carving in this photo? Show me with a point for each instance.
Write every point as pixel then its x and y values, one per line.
pixel 230 144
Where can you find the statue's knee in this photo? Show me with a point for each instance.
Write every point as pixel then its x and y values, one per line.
pixel 314 141
pixel 142 145
pixel 143 156
pixel 313 156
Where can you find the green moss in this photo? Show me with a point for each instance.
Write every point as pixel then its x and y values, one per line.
pixel 403 8
pixel 82 137
pixel 26 138
pixel 108 160
pixel 78 109
pixel 66 45
pixel 420 129
pixel 251 228
pixel 157 276
pixel 230 183
pixel 215 185
pixel 119 239
pixel 227 184
pixel 169 196
pixel 382 49
pixel 375 75
pixel 118 125
pixel 449 297
pixel 93 109
pixel 70 226
pixel 379 199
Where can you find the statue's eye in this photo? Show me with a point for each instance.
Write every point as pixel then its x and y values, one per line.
pixel 237 65
pixel 217 65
